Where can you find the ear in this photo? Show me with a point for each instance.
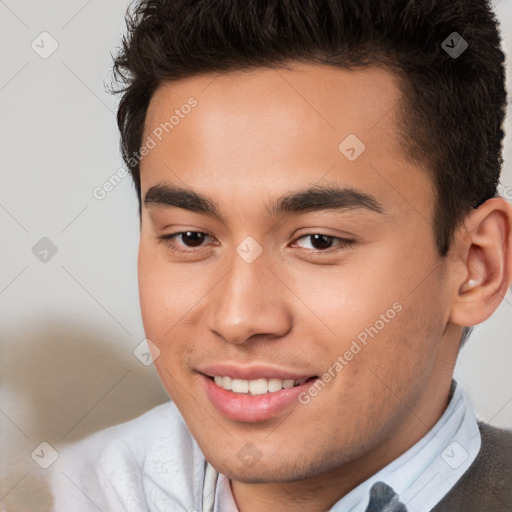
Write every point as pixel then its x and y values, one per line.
pixel 484 263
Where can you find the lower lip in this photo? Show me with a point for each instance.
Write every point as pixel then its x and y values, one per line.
pixel 252 408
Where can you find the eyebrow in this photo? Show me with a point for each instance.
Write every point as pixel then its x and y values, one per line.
pixel 314 199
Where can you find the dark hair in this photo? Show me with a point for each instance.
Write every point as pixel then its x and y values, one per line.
pixel 453 105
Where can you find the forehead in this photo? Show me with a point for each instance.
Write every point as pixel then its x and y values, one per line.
pixel 306 98
pixel 280 129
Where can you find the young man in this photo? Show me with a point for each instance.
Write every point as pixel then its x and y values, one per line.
pixel 319 228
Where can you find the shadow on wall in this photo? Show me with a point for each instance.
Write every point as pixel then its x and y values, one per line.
pixel 61 381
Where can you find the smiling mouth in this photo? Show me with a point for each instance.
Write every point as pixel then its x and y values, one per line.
pixel 257 386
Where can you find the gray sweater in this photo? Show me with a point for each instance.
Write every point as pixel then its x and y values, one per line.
pixel 487 484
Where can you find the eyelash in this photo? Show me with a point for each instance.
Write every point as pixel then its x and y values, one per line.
pixel 343 242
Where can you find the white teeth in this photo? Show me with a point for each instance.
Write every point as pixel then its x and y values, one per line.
pixel 275 385
pixel 240 386
pixel 227 383
pixel 256 386
pixel 288 383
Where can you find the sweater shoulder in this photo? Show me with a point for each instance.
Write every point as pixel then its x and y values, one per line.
pixel 487 484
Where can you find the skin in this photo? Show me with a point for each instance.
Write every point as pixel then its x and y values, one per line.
pixel 253 137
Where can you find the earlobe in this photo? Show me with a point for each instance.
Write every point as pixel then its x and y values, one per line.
pixel 487 266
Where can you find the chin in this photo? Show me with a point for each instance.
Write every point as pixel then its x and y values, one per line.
pixel 264 471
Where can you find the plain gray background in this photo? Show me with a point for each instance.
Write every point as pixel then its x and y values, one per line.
pixel 70 324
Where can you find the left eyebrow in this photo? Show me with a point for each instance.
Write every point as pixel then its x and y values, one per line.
pixel 320 198
pixel 316 198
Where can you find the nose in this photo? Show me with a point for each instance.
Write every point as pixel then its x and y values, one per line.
pixel 249 303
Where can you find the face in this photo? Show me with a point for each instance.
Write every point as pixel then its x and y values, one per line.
pixel 287 240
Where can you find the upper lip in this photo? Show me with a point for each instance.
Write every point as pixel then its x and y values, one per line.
pixel 252 372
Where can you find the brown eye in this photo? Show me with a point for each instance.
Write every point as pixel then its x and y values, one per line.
pixel 189 239
pixel 192 238
pixel 323 243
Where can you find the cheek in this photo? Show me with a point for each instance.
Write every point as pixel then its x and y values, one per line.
pixel 161 310
pixel 342 301
pixel 382 314
pixel 166 290
pixel 161 303
pixel 401 345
